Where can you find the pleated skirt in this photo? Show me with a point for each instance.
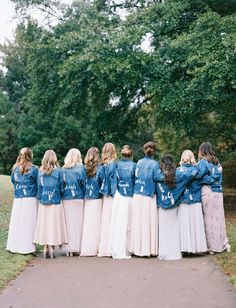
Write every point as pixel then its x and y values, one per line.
pixel 91 227
pixel 191 228
pixel 22 225
pixel 214 218
pixel 169 239
pixel 74 215
pixel 51 225
pixel 120 226
pixel 104 245
pixel 144 226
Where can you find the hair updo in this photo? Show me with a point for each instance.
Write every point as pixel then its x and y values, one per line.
pixel 126 151
pixel 149 148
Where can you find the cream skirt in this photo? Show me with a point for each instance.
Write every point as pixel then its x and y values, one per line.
pixel 104 247
pixel 120 226
pixel 91 227
pixel 169 239
pixel 22 225
pixel 144 226
pixel 214 217
pixel 191 228
pixel 51 226
pixel 74 215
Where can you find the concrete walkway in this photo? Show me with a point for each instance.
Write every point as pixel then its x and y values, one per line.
pixel 102 282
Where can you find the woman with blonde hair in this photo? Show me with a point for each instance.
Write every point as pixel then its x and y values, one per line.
pixel 24 211
pixel 121 207
pixel 93 203
pixel 51 227
pixel 190 216
pixel 108 190
pixel 73 187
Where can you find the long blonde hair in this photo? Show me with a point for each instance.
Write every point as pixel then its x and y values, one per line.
pixel 108 153
pixel 91 161
pixel 24 160
pixel 73 158
pixel 187 157
pixel 49 162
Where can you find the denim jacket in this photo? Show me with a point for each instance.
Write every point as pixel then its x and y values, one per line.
pixel 109 184
pixel 50 187
pixel 214 179
pixel 73 182
pixel 171 197
pixel 25 185
pixel 146 174
pixel 125 171
pixel 93 184
pixel 192 192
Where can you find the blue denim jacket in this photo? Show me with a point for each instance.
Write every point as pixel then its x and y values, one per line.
pixel 25 185
pixel 146 175
pixel 93 184
pixel 214 177
pixel 109 184
pixel 73 182
pixel 50 187
pixel 192 192
pixel 171 197
pixel 125 171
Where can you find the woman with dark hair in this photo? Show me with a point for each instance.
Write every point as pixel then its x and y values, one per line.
pixel 212 200
pixel 171 185
pixel 144 215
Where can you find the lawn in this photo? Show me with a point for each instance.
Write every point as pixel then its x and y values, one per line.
pixel 10 264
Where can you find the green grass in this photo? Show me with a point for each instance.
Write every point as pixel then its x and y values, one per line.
pixel 227 261
pixel 10 264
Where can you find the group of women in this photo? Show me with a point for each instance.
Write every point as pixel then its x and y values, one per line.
pixel 118 208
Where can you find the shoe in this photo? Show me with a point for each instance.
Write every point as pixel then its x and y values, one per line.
pixel 45 252
pixel 51 252
pixel 71 254
pixel 211 252
pixel 228 248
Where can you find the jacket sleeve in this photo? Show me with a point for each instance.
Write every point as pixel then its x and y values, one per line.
pixel 12 177
pixel 158 175
pixel 202 169
pixel 61 182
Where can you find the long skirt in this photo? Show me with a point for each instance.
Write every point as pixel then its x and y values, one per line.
pixel 120 226
pixel 191 228
pixel 74 215
pixel 214 217
pixel 169 239
pixel 22 225
pixel 91 227
pixel 144 226
pixel 51 226
pixel 104 247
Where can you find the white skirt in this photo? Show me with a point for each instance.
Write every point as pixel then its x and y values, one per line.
pixel 120 226
pixel 169 239
pixel 91 227
pixel 51 225
pixel 74 215
pixel 104 247
pixel 22 225
pixel 191 227
pixel 144 226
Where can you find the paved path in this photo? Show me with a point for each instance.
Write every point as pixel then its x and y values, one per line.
pixel 102 282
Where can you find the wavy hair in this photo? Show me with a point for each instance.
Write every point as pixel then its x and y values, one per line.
pixel 91 161
pixel 206 151
pixel 168 168
pixel 73 158
pixel 24 160
pixel 108 153
pixel 49 162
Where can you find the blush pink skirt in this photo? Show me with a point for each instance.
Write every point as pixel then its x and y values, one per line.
pixel 144 226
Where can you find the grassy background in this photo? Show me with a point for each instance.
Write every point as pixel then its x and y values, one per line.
pixel 10 264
